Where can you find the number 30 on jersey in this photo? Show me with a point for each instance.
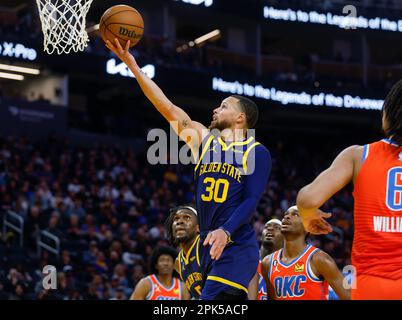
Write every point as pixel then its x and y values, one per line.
pixel 216 190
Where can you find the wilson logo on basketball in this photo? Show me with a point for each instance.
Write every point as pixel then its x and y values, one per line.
pixel 129 33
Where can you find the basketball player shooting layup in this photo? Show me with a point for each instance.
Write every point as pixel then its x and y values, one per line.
pixel 231 175
pixel 376 172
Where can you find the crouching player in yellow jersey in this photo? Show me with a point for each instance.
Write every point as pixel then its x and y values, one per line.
pixel 182 229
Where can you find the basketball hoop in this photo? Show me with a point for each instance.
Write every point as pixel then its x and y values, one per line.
pixel 63 25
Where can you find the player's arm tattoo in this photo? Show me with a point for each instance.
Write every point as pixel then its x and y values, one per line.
pixel 184 123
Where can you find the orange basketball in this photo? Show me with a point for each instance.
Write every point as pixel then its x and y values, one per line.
pixel 122 22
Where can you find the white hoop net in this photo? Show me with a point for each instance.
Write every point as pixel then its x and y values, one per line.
pixel 63 24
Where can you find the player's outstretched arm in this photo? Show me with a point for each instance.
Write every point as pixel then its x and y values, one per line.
pixel 141 290
pixel 329 182
pixel 168 110
pixel 326 267
pixel 264 270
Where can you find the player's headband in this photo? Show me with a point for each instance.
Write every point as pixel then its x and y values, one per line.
pixel 188 208
pixel 277 221
pixel 293 208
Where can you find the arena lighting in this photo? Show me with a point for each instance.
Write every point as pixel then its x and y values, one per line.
pixel 11 76
pixel 209 36
pixel 19 69
pixel 322 99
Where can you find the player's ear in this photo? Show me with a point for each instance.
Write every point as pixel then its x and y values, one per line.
pixel 241 118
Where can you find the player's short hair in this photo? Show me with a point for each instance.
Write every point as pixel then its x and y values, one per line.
pixel 249 108
pixel 169 220
pixel 393 113
pixel 159 251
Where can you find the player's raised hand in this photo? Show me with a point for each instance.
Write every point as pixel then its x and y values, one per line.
pixel 218 240
pixel 122 53
pixel 317 224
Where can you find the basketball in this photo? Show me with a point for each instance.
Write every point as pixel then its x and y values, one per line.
pixel 122 22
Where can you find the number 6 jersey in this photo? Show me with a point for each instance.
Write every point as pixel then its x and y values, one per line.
pixel 377 245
